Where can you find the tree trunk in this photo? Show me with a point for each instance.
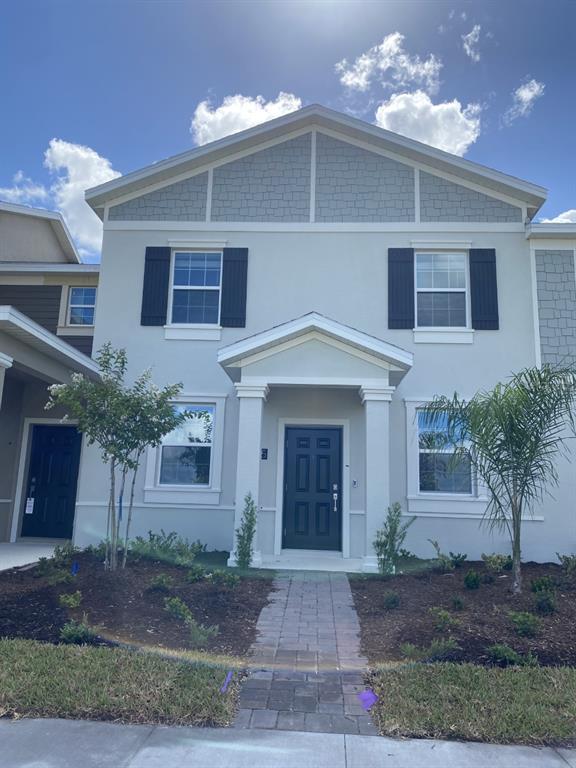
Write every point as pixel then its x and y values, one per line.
pixel 516 550
pixel 113 529
pixel 129 519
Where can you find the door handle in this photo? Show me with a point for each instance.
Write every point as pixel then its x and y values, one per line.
pixel 335 499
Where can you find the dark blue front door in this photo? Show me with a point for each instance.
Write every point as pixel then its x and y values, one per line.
pixel 312 488
pixel 50 491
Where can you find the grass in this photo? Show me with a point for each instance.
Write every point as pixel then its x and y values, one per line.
pixel 40 680
pixel 462 701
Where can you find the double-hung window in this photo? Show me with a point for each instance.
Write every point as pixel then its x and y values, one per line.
pixel 439 471
pixel 196 287
pixel 186 452
pixel 81 303
pixel 441 290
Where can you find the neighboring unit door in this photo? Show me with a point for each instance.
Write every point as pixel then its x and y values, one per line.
pixel 50 490
pixel 312 488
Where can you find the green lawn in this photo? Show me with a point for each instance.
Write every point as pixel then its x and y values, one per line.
pixel 42 680
pixel 525 705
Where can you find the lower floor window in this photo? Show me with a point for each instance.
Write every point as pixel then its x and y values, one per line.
pixel 186 452
pixel 438 470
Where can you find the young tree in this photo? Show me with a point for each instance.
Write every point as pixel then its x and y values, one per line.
pixel 122 421
pixel 513 435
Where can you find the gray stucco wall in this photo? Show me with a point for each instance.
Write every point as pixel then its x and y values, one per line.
pixel 271 185
pixel 183 201
pixel 353 184
pixel 25 238
pixel 556 281
pixel 442 200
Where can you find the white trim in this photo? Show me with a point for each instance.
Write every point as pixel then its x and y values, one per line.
pixel 252 390
pixel 6 361
pixel 417 211
pixel 69 305
pixel 29 422
pixel 442 245
pixel 306 226
pixel 344 424
pixel 552 230
pixel 370 393
pixel 176 495
pixel 314 381
pixel 197 244
pixel 179 327
pixel 209 188
pixel 535 309
pixel 74 330
pixel 428 335
pixel 192 332
pixel 313 176
pixel 236 353
pixel 465 291
pixel 69 268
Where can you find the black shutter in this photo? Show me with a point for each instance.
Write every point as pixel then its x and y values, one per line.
pixel 483 289
pixel 155 288
pixel 400 288
pixel 234 279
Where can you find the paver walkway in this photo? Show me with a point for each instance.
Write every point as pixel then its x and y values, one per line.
pixel 306 668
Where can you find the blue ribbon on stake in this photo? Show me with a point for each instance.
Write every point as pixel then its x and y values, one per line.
pixel 227 682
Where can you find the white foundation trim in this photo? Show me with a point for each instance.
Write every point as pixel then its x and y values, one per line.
pixel 6 361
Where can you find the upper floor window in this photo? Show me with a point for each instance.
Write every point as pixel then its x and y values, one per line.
pixel 441 290
pixel 439 471
pixel 186 452
pixel 81 303
pixel 196 287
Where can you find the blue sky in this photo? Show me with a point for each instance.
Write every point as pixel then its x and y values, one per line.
pixel 101 88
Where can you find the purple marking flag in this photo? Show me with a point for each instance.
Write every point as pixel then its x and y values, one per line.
pixel 227 682
pixel 367 698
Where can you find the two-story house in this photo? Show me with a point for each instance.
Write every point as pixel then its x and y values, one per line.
pixel 47 302
pixel 312 282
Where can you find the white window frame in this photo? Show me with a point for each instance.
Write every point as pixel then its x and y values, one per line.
pixel 435 503
pixel 196 495
pixel 451 334
pixel 172 288
pixel 70 305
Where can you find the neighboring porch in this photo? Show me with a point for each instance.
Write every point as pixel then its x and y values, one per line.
pixel 39 455
pixel 314 440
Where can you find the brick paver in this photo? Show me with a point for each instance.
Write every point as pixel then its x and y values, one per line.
pixel 306 669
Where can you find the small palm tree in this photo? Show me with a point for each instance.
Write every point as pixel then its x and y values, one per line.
pixel 513 435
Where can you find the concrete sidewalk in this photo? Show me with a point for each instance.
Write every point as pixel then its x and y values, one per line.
pixel 73 743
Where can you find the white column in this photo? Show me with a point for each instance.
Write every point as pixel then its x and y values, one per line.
pixel 5 363
pixel 252 398
pixel 376 402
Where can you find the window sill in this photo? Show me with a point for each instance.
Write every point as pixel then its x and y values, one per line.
pixel 447 505
pixel 443 335
pixel 193 332
pixel 178 495
pixel 75 330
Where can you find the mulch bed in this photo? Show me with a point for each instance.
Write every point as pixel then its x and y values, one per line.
pixel 483 621
pixel 122 608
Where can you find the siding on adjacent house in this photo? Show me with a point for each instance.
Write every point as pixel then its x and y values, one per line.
pixel 183 201
pixel 270 185
pixel 556 281
pixel 442 200
pixel 353 184
pixel 40 302
pixel 81 343
pixel 25 238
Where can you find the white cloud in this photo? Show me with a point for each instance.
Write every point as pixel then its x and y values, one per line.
pixel 523 100
pixel 470 43
pixel 23 190
pixel 389 64
pixel 566 217
pixel 447 125
pixel 236 113
pixel 73 168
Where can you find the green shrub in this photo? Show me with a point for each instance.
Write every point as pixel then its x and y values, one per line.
pixel 457 603
pixel 545 603
pixel 497 563
pixel 71 600
pixel 196 573
pixel 439 649
pixel 200 635
pixel 245 533
pixel 161 583
pixel 77 633
pixel 443 562
pixel 504 656
pixel 166 548
pixel 98 550
pixel 568 565
pixel 457 559
pixel 472 579
pixel 391 600
pixel 178 609
pixel 44 567
pixel 543 584
pixel 443 619
pixel 222 578
pixel 405 554
pixel 59 576
pixel 389 539
pixel 64 554
pixel 525 623
pixel 488 577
